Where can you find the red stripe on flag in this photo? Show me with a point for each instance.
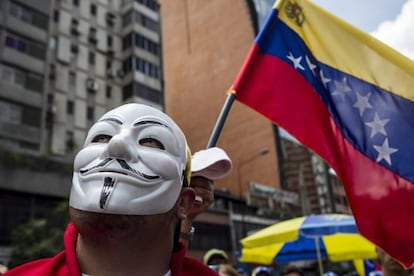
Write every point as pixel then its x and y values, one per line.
pixel 381 200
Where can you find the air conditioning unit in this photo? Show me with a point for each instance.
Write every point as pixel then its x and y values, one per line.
pixel 92 85
pixel 110 17
pixel 92 38
pixel 74 30
pixel 110 72
pixel 74 48
pixel 120 73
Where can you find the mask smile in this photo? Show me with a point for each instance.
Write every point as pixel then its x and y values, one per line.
pixel 103 167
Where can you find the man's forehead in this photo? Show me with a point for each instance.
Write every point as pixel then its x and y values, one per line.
pixel 128 113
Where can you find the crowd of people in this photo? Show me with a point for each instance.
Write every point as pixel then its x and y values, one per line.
pixel 136 191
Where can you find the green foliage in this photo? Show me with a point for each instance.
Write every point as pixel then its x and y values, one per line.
pixel 10 159
pixel 39 238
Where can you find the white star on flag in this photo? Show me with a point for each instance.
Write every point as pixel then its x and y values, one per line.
pixel 362 103
pixel 311 66
pixel 377 125
pixel 324 79
pixel 385 151
pixel 296 61
pixel 341 88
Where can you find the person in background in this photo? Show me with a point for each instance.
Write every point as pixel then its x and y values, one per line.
pixel 3 268
pixel 207 166
pixel 389 265
pixel 227 270
pixel 215 257
pixel 292 270
pixel 129 195
pixel 262 271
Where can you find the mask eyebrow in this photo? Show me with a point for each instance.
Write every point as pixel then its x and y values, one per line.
pixel 150 122
pixel 112 120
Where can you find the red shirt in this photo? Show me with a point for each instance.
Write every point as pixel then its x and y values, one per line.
pixel 65 263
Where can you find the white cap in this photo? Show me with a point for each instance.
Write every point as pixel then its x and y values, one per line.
pixel 212 163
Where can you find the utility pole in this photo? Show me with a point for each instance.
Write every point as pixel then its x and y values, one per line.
pixel 303 191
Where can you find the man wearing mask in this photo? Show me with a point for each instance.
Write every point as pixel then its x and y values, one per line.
pixel 129 195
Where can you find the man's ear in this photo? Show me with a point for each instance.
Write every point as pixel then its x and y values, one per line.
pixel 186 201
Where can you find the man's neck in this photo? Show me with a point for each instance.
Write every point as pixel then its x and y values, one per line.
pixel 142 254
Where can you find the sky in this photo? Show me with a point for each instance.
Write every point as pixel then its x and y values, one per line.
pixel 391 21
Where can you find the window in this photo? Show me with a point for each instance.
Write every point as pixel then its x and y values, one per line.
pixel 93 9
pixel 10 113
pixel 146 67
pixel 75 3
pixel 127 65
pixel 127 41
pixel 29 16
pixel 108 91
pixel 13 76
pixel 52 43
pixel 56 15
pixel 25 46
pixel 72 81
pixel 22 79
pixel 70 141
pixel 92 36
pixel 70 107
pixel 31 116
pixel 127 91
pixel 148 93
pixel 142 91
pixel 90 113
pixel 20 12
pixel 145 21
pixel 127 18
pixel 153 5
pixel 74 27
pixel 91 58
pixel 108 64
pixel 146 44
pixel 110 18
pixel 109 41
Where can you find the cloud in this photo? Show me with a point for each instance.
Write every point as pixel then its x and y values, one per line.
pixel 398 33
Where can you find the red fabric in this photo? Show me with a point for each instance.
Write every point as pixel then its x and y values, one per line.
pixel 381 201
pixel 65 263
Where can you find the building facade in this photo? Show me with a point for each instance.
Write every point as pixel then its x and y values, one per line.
pixel 204 46
pixel 63 63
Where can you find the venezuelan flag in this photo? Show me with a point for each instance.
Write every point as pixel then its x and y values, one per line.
pixel 349 98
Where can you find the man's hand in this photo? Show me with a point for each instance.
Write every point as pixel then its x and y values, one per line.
pixel 204 191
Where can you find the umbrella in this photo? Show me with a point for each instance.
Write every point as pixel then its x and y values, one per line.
pixel 313 237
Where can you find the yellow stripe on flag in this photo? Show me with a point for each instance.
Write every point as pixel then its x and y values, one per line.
pixel 355 52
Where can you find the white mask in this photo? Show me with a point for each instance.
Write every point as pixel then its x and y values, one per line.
pixel 119 171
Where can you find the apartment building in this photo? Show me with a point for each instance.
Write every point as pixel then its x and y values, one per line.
pixel 63 63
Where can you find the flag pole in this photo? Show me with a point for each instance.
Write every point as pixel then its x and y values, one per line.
pixel 221 120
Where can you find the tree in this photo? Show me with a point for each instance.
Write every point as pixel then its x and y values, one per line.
pixel 39 237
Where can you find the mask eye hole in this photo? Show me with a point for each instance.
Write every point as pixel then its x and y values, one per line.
pixel 152 143
pixel 102 138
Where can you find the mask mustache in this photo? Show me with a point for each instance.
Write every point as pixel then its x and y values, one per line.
pixel 123 165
